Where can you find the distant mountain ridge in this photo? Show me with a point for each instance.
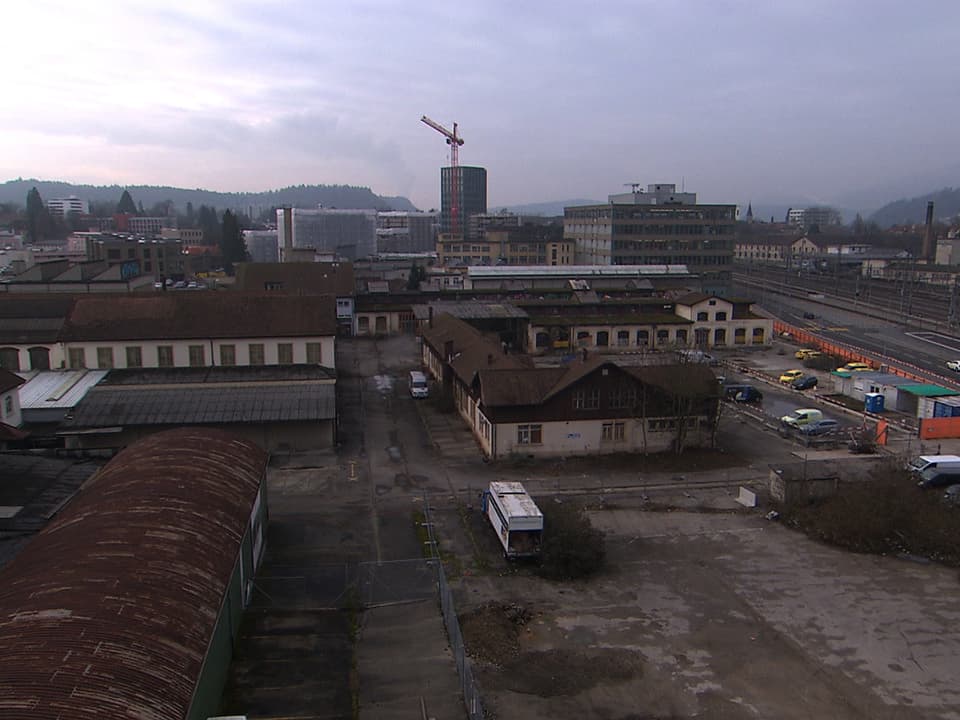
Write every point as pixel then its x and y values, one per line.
pixel 304 196
pixel 946 206
pixel 549 208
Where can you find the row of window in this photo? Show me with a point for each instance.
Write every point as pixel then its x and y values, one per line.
pixel 197 354
pixel 622 339
pixel 532 434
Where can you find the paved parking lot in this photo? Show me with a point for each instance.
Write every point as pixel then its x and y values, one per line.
pixel 730 616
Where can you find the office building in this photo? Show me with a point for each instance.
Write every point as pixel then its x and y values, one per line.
pixel 406 232
pixel 472 195
pixel 65 206
pixel 659 226
pixel 350 234
pixel 261 245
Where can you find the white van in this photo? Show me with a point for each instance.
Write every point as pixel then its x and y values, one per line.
pixel 419 387
pixel 802 416
pixel 925 462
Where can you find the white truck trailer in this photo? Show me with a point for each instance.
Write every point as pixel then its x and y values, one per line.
pixel 515 517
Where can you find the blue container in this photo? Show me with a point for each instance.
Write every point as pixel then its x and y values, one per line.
pixel 874 402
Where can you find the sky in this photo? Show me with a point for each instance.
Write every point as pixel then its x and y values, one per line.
pixel 768 101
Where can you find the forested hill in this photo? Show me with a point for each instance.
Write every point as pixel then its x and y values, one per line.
pixel 306 196
pixel 946 205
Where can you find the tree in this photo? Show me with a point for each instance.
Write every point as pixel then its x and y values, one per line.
pixel 126 205
pixel 232 245
pixel 40 225
pixel 572 548
pixel 208 221
pixel 858 225
pixel 417 275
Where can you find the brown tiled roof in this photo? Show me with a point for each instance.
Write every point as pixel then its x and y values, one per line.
pixel 8 380
pixel 689 379
pixel 29 318
pixel 472 350
pixel 110 610
pixel 692 298
pixel 297 278
pixel 507 388
pixel 172 316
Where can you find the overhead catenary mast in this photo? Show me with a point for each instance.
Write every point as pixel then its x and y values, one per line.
pixel 454 141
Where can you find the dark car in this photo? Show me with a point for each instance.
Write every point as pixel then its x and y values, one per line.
pixel 820 427
pixel 804 383
pixel 809 316
pixel 742 393
pixel 942 476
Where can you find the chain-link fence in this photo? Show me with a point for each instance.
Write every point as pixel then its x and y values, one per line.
pixel 469 688
pixel 395 581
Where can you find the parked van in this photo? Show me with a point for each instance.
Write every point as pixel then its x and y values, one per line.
pixel 419 387
pixel 802 416
pixel 742 393
pixel 940 476
pixel 924 462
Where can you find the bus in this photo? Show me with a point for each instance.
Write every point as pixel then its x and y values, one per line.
pixel 515 517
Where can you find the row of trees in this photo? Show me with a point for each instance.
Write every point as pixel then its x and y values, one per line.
pixel 224 231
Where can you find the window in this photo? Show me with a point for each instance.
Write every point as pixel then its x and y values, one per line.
pixel 165 356
pixel 76 358
pixel 720 316
pixel 529 434
pixel 542 340
pixel 104 358
pixel 363 325
pixel 10 359
pixel 612 432
pixel 624 396
pixel 134 356
pixel 681 336
pixel 228 355
pixel 740 336
pixel 643 338
pixel 720 336
pixel 39 358
pixel 586 399
pixel 663 336
pixel 285 353
pixel 758 336
pixel 8 405
pixel 197 356
pixel 623 338
pixel 314 353
pixel 256 353
pixel 603 338
pixel 703 317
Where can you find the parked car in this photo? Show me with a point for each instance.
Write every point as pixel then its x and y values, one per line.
pixel 925 462
pixel 939 477
pixel 802 416
pixel 854 367
pixel 809 316
pixel 954 365
pixel 790 375
pixel 805 382
pixel 804 353
pixel 742 393
pixel 820 427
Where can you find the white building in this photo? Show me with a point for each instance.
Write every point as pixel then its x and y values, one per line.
pixel 67 205
pixel 406 232
pixel 262 245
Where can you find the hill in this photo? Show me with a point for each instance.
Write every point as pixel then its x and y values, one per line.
pixel 946 206
pixel 549 208
pixel 304 196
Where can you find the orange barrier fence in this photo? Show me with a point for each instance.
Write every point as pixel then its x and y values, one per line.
pixel 939 428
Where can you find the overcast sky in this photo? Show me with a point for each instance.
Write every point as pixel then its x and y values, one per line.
pixel 765 101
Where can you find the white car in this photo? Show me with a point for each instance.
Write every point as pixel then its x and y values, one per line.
pixel 954 365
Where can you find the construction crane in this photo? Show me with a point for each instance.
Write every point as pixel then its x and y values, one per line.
pixel 454 141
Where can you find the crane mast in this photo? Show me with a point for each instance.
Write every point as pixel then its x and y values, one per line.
pixel 454 141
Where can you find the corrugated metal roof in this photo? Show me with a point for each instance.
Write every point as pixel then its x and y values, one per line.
pixel 502 271
pixel 202 405
pixel 472 309
pixel 58 388
pixel 927 390
pixel 109 611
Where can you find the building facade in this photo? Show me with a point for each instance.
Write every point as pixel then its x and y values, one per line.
pixel 350 234
pixel 472 196
pixel 406 232
pixel 658 227
pixel 67 206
